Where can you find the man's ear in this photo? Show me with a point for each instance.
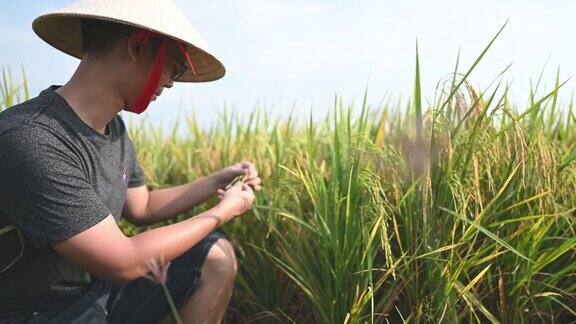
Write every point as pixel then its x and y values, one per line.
pixel 134 48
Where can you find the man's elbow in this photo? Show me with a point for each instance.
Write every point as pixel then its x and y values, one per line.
pixel 122 275
pixel 136 206
pixel 122 268
pixel 135 220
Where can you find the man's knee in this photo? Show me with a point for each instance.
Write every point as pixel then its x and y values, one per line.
pixel 220 262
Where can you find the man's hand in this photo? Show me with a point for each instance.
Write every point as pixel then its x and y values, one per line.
pixel 245 168
pixel 143 207
pixel 238 199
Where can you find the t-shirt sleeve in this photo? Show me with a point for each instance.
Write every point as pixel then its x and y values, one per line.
pixel 44 190
pixel 137 177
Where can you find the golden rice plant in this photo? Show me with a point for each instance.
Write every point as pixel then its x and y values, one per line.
pixel 460 211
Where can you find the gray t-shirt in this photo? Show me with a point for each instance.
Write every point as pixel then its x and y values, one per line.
pixel 58 177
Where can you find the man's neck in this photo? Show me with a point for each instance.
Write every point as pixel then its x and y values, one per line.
pixel 92 95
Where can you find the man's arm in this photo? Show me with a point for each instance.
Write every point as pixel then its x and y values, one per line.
pixel 143 207
pixel 105 251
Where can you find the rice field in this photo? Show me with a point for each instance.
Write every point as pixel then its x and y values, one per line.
pixel 457 211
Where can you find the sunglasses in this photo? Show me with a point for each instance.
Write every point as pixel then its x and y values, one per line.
pixel 178 68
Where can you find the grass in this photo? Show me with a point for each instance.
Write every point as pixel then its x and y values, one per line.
pixel 462 211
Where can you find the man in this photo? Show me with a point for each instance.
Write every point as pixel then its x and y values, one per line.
pixel 68 172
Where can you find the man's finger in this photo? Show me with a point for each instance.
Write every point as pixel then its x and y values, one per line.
pixel 252 175
pixel 255 185
pixel 254 181
pixel 246 165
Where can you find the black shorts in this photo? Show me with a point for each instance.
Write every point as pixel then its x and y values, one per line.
pixel 140 301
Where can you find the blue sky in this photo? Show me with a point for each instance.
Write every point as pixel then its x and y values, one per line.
pixel 297 54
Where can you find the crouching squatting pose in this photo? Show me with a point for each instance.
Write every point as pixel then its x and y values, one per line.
pixel 68 172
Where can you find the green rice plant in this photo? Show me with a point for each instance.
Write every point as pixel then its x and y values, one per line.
pixel 10 93
pixel 364 220
pixel 460 211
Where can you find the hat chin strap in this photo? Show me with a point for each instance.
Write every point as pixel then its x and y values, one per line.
pixel 153 81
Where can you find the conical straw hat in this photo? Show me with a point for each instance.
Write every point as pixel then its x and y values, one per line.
pixel 62 29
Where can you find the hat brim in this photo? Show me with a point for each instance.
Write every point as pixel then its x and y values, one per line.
pixel 64 32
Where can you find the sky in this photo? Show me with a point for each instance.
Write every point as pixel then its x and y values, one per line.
pixel 294 56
